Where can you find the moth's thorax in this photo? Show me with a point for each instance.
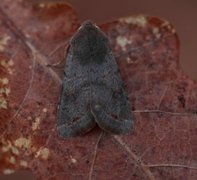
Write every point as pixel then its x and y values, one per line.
pixel 90 44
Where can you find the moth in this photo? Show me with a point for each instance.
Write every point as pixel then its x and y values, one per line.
pixel 92 90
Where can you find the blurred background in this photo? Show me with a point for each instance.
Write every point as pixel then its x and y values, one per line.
pixel 182 14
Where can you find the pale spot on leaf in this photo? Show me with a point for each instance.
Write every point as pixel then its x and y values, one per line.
pixel 138 20
pixel 12 160
pixel 14 150
pixel 23 143
pixel 45 110
pixel 122 42
pixel 23 163
pixel 73 160
pixel 3 42
pixel 36 123
pixel 4 81
pixel 3 103
pixel 43 153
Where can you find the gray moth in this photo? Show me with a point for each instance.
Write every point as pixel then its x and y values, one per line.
pixel 92 90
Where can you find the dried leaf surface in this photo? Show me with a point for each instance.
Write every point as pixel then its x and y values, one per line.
pixel 162 144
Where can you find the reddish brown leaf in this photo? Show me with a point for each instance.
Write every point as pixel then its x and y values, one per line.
pixel 162 144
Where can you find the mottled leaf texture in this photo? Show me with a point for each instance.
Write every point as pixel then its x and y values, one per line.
pixel 92 90
pixel 163 142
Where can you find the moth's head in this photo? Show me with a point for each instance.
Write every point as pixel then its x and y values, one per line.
pixel 89 44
